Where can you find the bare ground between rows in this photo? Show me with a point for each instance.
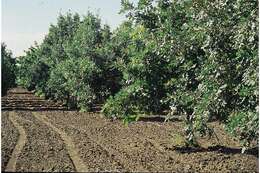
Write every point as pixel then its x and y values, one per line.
pixel 107 145
pixel 149 146
pixel 21 99
pixel 9 136
pixel 44 150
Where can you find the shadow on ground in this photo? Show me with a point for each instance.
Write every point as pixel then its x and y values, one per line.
pixel 218 148
pixel 158 119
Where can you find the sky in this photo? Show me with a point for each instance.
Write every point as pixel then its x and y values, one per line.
pixel 26 21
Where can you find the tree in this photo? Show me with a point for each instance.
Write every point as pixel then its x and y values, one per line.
pixel 201 65
pixel 72 81
pixel 8 69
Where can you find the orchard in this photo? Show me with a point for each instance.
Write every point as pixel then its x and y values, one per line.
pixel 194 59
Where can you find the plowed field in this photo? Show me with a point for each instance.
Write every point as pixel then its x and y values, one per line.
pixel 41 135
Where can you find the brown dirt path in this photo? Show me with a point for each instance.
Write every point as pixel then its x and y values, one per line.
pixel 72 150
pixel 112 159
pixel 44 150
pixel 20 143
pixel 9 138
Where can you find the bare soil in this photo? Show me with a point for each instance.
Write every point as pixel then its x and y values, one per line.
pixel 109 145
pixel 44 149
pixel 9 136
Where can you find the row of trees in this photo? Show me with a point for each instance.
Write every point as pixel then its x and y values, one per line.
pixel 197 58
pixel 194 58
pixel 73 64
pixel 8 69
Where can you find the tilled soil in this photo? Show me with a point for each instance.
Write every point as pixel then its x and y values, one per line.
pixel 44 149
pixel 63 140
pixel 148 146
pixel 9 136
pixel 21 99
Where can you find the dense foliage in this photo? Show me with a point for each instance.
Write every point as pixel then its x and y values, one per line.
pixel 72 64
pixel 8 69
pixel 198 59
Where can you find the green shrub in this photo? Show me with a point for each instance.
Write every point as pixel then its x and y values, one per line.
pixel 244 125
pixel 8 69
pixel 128 102
pixel 72 81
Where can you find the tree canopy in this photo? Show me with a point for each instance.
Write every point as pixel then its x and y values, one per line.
pixel 197 59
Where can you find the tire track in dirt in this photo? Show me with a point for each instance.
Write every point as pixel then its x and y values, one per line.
pixel 9 138
pixel 121 159
pixel 155 150
pixel 144 159
pixel 98 131
pixel 72 150
pixel 109 161
pixel 19 146
pixel 44 150
pixel 136 151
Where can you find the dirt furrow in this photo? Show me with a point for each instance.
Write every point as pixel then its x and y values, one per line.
pixel 138 153
pixel 133 150
pixel 20 144
pixel 72 150
pixel 151 145
pixel 120 156
pixel 97 157
pixel 69 141
pixel 9 139
pixel 44 151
